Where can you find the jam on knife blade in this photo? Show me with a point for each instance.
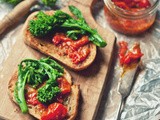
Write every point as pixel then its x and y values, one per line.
pixel 129 60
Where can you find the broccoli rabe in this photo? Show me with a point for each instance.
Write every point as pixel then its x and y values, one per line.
pixel 50 3
pixel 73 28
pixel 19 89
pixel 43 24
pixel 34 73
pixel 47 93
pixel 12 2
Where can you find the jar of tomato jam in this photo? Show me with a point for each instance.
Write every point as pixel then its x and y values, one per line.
pixel 130 16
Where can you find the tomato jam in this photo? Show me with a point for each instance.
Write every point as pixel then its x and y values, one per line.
pixel 132 4
pixel 31 98
pixel 73 49
pixel 130 16
pixel 56 110
pixel 127 56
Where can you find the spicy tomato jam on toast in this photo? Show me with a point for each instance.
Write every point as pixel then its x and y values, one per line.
pixel 58 35
pixel 44 89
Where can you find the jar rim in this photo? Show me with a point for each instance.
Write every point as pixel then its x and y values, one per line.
pixel 131 14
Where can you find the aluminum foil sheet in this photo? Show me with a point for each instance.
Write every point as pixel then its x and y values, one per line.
pixel 143 103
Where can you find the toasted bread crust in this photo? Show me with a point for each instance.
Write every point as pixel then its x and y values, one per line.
pixel 71 102
pixel 49 49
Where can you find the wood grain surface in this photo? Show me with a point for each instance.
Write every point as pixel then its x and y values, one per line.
pixel 92 80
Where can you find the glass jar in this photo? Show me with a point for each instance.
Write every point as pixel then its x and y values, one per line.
pixel 130 22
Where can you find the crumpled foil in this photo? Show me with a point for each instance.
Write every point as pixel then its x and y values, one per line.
pixel 143 103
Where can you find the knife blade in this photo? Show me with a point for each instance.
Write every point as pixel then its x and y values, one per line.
pixel 125 84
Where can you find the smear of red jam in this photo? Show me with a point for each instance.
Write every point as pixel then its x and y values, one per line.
pixel 31 98
pixel 73 49
pixel 64 85
pixel 132 4
pixel 65 88
pixel 127 56
pixel 55 111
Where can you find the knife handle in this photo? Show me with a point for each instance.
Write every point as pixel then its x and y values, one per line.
pixel 16 14
pixel 120 108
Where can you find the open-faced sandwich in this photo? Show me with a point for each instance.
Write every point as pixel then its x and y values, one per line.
pixel 44 89
pixel 65 38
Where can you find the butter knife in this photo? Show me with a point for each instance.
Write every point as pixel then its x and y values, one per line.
pixel 125 84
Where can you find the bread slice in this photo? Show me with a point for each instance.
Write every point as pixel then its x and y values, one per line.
pixel 49 49
pixel 71 102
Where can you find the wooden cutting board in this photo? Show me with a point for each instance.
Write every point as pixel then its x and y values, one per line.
pixel 92 80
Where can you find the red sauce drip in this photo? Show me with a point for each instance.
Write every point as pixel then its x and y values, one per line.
pixel 132 4
pixel 129 56
pixel 72 49
pixel 64 85
pixel 55 111
pixel 31 98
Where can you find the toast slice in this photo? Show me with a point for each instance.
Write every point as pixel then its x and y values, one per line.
pixel 48 48
pixel 71 102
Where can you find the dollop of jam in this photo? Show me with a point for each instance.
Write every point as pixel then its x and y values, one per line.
pixel 132 4
pixel 73 49
pixel 131 18
pixel 127 56
pixel 55 110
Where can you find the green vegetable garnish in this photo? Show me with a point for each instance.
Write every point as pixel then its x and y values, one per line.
pixel 12 2
pixel 19 89
pixel 43 24
pixel 34 73
pixel 73 28
pixel 50 3
pixel 51 93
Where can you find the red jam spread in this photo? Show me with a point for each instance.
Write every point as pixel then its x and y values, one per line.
pixel 72 48
pixel 132 4
pixel 55 111
pixel 64 85
pixel 127 56
pixel 31 98
pixel 132 18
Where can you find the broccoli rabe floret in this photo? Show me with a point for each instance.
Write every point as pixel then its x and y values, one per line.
pixel 72 27
pixel 47 93
pixel 50 3
pixel 34 73
pixel 42 25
